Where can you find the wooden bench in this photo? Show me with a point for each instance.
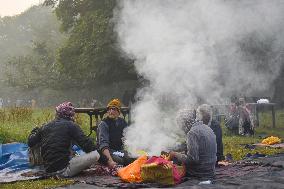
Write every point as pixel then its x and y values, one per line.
pixel 99 113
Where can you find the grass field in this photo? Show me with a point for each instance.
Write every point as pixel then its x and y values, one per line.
pixel 16 124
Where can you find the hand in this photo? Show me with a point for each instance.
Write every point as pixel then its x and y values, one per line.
pixel 172 155
pixel 111 163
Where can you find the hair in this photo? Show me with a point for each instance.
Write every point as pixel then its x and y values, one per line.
pixel 65 110
pixel 204 113
pixel 186 118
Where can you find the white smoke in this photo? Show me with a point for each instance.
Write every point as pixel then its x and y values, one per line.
pixel 196 49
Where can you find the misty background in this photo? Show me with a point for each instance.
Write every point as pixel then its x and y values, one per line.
pixel 172 53
pixel 196 52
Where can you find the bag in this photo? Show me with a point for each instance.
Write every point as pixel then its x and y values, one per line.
pixel 162 171
pixel 132 172
pixel 35 157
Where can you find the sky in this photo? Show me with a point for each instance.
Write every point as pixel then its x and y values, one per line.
pixel 14 7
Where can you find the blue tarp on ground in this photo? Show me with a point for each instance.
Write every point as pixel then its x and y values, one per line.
pixel 14 161
pixel 14 156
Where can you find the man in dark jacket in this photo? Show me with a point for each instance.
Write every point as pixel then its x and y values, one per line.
pixel 200 157
pixel 110 134
pixel 56 139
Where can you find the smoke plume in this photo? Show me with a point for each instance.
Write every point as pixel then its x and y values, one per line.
pixel 192 50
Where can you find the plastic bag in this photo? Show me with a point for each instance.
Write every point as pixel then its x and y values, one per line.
pixel 132 172
pixel 160 170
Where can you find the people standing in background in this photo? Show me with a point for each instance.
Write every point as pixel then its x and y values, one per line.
pixel 33 103
pixel 1 102
pixel 246 126
pixel 94 103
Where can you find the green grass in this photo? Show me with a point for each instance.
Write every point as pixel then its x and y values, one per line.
pixel 16 125
pixel 37 184
pixel 235 144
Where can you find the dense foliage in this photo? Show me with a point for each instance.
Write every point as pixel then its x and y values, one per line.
pixel 28 45
pixel 90 57
pixel 75 48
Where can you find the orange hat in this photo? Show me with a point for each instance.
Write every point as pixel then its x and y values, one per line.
pixel 114 103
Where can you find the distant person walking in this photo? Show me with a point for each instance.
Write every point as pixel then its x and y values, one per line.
pixel 33 103
pixel 1 102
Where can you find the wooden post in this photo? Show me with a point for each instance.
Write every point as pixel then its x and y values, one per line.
pixel 273 116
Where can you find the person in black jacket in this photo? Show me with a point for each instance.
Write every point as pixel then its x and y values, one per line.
pixel 110 134
pixel 56 139
pixel 205 114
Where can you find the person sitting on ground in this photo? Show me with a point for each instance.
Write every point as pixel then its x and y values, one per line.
pixel 55 140
pixel 200 157
pixel 110 134
pixel 205 114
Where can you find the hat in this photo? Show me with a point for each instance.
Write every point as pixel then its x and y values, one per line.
pixel 65 110
pixel 114 103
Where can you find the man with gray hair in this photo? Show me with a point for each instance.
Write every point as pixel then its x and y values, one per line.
pixel 200 157
pixel 205 114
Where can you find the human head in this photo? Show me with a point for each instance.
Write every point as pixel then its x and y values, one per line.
pixel 186 118
pixel 204 113
pixel 242 101
pixel 65 110
pixel 113 108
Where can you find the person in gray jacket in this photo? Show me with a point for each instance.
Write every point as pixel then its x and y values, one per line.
pixel 205 114
pixel 200 157
pixel 110 135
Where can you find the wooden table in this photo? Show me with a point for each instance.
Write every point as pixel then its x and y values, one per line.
pixel 260 106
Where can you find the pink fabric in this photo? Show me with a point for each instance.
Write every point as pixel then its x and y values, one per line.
pixel 161 161
pixel 65 110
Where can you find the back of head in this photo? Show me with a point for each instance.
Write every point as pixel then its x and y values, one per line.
pixel 186 118
pixel 242 101
pixel 65 110
pixel 204 113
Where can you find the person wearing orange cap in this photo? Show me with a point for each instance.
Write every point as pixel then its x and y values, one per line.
pixel 110 134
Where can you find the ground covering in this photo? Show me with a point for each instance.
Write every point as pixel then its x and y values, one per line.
pixel 16 123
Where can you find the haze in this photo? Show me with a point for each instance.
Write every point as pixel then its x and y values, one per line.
pixel 14 7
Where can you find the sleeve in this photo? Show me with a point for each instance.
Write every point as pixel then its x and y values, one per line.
pixel 103 136
pixel 81 139
pixel 192 155
pixel 192 148
pixel 35 137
